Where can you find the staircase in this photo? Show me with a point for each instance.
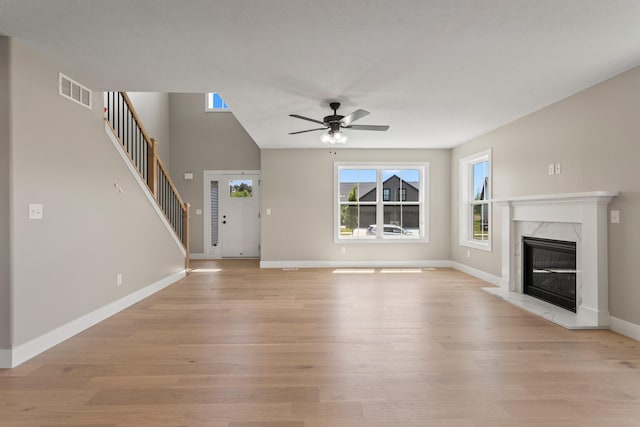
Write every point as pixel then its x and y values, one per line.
pixel 141 150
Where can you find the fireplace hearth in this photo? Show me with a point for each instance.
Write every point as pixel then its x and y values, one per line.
pixel 549 271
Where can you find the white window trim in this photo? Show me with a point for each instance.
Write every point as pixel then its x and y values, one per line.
pixel 213 110
pixel 423 200
pixel 466 184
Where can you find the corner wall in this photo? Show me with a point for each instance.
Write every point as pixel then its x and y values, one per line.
pixel 594 135
pixel 5 198
pixel 65 265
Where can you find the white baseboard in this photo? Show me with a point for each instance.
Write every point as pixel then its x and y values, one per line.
pixel 354 264
pixel 625 328
pixel 482 275
pixel 197 256
pixel 26 351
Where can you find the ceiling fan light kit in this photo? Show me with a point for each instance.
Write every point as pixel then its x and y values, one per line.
pixel 334 124
pixel 332 137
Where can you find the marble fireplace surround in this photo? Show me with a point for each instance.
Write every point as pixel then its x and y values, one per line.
pixel 576 217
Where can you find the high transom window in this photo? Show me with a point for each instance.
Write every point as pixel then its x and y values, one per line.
pixel 381 201
pixel 214 102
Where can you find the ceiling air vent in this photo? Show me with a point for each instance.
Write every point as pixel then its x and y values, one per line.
pixel 74 91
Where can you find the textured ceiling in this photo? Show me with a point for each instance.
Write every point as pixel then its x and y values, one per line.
pixel 439 72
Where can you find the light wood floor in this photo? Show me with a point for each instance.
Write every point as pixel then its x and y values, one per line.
pixel 236 346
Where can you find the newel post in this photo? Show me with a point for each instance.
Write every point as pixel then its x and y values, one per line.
pixel 152 167
pixel 185 234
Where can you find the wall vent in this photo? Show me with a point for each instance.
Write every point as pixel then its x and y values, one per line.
pixel 74 91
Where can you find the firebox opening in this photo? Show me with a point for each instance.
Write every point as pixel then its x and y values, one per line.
pixel 549 271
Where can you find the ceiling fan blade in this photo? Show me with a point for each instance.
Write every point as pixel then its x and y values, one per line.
pixel 358 114
pixel 298 116
pixel 368 127
pixel 308 130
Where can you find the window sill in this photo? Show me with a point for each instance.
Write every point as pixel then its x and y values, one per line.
pixel 477 245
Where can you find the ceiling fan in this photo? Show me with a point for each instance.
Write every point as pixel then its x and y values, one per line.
pixel 334 124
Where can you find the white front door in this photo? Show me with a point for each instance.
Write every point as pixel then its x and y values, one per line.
pixel 239 215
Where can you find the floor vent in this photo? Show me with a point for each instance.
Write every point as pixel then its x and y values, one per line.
pixel 74 91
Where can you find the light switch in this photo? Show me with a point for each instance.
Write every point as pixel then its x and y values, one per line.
pixel 188 176
pixel 36 211
pixel 558 170
pixel 198 211
pixel 552 168
pixel 268 211
pixel 615 217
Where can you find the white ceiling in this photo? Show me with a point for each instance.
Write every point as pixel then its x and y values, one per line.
pixel 439 72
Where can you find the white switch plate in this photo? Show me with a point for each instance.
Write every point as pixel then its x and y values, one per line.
pixel 558 170
pixel 268 211
pixel 188 175
pixel 615 217
pixel 119 279
pixel 552 168
pixel 36 211
pixel 198 211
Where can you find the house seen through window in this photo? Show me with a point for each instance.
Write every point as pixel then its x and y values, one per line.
pixel 380 202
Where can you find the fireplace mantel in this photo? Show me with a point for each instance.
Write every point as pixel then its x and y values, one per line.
pixel 584 215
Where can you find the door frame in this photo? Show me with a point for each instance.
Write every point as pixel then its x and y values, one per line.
pixel 207 177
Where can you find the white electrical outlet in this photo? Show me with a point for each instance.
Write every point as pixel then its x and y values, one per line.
pixel 552 168
pixel 558 170
pixel 343 250
pixel 468 254
pixel 119 279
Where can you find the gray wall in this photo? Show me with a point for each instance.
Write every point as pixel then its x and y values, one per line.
pixel 595 136
pixel 65 265
pixel 203 141
pixel 298 187
pixel 153 110
pixel 5 199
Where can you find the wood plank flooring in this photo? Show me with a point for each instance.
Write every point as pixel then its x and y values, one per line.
pixel 236 346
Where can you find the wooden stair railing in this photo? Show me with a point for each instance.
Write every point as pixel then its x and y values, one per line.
pixel 142 152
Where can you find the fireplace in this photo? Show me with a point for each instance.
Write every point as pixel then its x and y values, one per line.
pixel 573 217
pixel 549 271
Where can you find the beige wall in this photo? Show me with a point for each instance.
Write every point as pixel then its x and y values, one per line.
pixel 5 199
pixel 153 110
pixel 65 265
pixel 298 187
pixel 595 136
pixel 203 141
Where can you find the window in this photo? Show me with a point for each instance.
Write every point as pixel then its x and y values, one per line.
pixel 475 201
pixel 214 102
pixel 241 188
pixel 381 202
